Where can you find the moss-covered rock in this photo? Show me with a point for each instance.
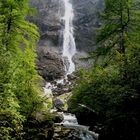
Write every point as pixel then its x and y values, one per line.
pixel 39 127
pixel 61 133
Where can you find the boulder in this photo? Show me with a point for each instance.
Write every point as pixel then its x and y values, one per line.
pixel 38 127
pixel 61 133
pixel 71 77
pixel 58 118
pixel 58 103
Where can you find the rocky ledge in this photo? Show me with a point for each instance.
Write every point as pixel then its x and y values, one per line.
pixel 49 64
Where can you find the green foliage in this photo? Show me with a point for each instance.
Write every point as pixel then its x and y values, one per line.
pixel 10 125
pixel 20 93
pixel 113 93
pixel 112 88
pixel 120 26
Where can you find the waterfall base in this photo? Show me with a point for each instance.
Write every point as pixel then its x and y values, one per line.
pixel 70 122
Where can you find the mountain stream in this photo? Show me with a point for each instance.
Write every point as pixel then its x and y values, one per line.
pixel 68 51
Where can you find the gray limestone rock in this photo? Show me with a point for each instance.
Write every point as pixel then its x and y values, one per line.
pixel 50 64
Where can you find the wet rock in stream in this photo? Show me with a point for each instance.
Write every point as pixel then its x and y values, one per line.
pixel 61 133
pixel 63 86
pixel 58 103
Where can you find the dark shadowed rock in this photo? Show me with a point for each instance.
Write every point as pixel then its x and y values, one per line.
pixel 71 77
pixel 58 118
pixel 50 65
pixel 38 127
pixel 48 19
pixel 86 21
pixel 58 103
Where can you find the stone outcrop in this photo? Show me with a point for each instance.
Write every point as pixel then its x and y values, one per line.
pixel 58 103
pixel 49 64
pixel 86 21
pixel 48 19
pixel 38 128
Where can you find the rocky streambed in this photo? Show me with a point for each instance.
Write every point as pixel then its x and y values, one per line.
pixel 66 125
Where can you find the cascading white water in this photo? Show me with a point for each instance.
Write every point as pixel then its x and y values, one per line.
pixel 69 50
pixel 69 47
pixel 70 121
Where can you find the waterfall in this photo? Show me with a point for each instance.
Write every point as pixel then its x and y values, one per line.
pixel 69 47
pixel 69 50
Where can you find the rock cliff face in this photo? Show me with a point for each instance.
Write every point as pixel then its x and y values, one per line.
pixel 48 19
pixel 49 63
pixel 86 21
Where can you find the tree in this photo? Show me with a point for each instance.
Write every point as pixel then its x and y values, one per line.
pixel 19 96
pixel 112 89
pixel 120 20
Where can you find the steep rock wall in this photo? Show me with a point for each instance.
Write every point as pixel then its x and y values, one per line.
pixel 86 21
pixel 48 19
